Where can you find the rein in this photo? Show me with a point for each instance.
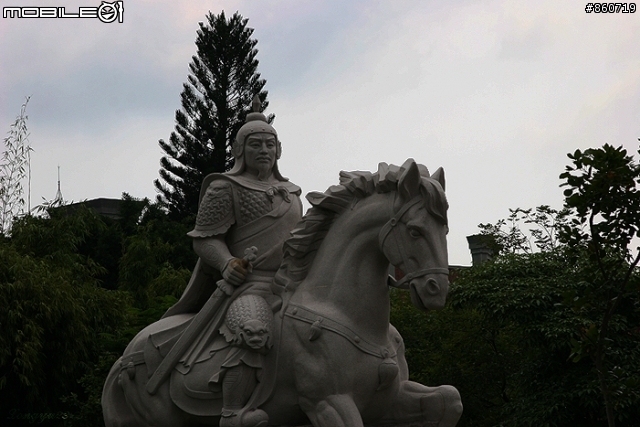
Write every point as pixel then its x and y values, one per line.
pixel 385 231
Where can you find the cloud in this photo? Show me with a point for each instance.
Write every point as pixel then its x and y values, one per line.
pixel 496 92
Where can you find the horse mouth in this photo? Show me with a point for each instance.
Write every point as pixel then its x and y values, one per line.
pixel 428 294
pixel 415 298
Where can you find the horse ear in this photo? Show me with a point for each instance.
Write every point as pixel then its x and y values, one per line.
pixel 439 176
pixel 409 182
pixel 424 172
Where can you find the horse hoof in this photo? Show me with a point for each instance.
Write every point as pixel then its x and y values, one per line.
pixel 255 418
pixel 249 418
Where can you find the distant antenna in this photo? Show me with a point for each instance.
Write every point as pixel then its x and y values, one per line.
pixel 58 199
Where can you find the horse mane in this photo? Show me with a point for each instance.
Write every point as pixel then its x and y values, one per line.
pixel 301 248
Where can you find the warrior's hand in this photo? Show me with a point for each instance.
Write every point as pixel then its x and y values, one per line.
pixel 236 271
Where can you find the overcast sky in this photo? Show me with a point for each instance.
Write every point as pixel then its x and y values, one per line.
pixel 495 92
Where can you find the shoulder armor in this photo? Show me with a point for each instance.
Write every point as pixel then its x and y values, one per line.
pixel 215 214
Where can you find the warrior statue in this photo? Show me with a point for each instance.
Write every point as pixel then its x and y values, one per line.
pixel 329 357
pixel 244 217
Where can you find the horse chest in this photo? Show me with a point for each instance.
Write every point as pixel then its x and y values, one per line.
pixel 332 349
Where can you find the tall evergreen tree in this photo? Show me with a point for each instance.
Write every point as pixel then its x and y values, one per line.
pixel 215 100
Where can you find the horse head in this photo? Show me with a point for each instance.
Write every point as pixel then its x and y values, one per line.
pixel 414 238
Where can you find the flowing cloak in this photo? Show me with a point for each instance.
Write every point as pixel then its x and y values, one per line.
pixel 248 213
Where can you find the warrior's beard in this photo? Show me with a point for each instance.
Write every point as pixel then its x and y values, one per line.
pixel 264 171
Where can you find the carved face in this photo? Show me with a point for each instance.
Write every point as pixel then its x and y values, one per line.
pixel 254 334
pixel 423 240
pixel 260 154
pixel 417 238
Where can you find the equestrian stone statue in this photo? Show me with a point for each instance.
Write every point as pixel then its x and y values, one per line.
pixel 285 321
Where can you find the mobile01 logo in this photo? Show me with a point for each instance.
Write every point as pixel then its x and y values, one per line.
pixel 106 12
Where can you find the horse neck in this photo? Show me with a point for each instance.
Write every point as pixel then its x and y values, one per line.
pixel 349 275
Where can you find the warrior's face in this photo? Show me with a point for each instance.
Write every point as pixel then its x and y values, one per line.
pixel 260 154
pixel 254 334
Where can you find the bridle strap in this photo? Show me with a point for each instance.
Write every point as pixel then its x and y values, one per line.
pixel 395 219
pixel 386 230
pixel 402 283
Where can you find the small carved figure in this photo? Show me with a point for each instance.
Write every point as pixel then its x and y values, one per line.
pixel 248 323
pixel 247 327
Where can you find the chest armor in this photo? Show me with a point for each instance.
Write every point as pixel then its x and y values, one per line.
pixel 251 204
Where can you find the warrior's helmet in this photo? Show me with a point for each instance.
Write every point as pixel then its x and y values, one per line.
pixel 256 122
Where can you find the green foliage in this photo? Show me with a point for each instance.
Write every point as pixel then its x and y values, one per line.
pixel 544 224
pixel 505 339
pixel 222 82
pixel 53 310
pixel 157 257
pixel 545 334
pixel 458 347
pixel 14 168
pixel 517 298
pixel 67 317
pixel 602 191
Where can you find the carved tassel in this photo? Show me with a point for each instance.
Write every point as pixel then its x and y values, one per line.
pixel 387 373
pixel 315 330
pixel 131 370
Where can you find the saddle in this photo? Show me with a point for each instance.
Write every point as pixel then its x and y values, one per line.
pixel 194 382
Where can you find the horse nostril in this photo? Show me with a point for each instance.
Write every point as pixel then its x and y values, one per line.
pixel 433 288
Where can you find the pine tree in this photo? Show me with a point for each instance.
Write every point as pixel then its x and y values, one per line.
pixel 215 100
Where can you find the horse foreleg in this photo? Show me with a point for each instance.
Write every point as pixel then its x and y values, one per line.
pixel 333 411
pixel 434 406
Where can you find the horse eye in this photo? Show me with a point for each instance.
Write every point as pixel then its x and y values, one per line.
pixel 414 233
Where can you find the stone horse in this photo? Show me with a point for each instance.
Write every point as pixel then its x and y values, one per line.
pixel 336 360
